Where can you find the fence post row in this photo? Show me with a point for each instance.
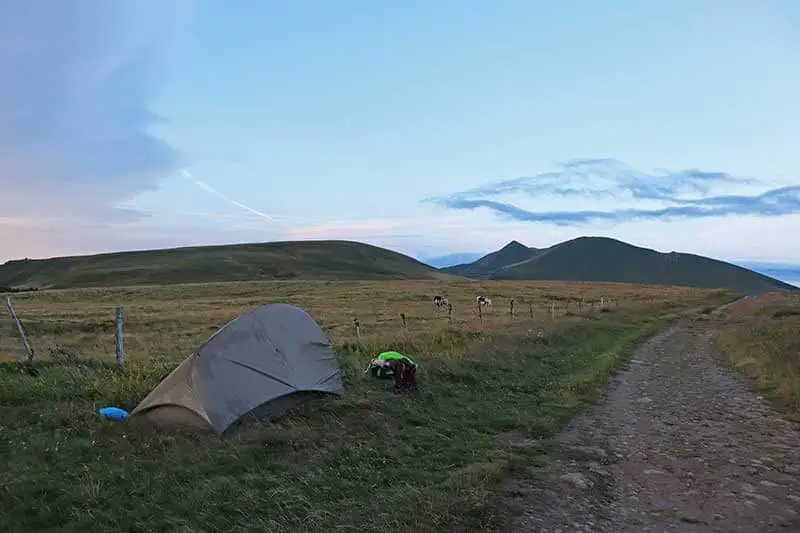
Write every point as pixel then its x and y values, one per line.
pixel 119 333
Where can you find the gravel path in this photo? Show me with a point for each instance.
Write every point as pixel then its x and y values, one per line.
pixel 678 445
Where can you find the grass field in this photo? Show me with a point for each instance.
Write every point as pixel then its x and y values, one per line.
pixel 370 461
pixel 762 340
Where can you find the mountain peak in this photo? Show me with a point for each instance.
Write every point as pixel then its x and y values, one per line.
pixel 514 245
pixel 605 259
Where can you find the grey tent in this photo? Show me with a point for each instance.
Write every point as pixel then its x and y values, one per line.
pixel 265 362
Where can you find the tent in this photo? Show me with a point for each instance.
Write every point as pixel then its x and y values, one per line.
pixel 264 363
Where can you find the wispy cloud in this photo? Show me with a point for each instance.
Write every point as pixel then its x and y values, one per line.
pixel 78 79
pixel 374 228
pixel 208 188
pixel 682 194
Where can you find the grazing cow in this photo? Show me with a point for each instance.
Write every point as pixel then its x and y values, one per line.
pixel 483 301
pixel 440 302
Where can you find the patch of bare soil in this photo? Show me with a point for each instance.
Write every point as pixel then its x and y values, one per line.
pixel 679 444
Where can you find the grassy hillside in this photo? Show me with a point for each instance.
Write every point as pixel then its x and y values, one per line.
pixel 309 260
pixel 604 259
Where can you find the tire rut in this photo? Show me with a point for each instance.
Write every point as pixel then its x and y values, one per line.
pixel 678 444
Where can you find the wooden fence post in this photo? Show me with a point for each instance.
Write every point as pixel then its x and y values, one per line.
pixel 119 337
pixel 511 309
pixel 530 307
pixel 480 312
pixel 25 342
pixel 403 318
pixel 450 313
pixel 357 328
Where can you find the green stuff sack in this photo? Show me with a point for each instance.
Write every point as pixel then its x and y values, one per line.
pixel 382 367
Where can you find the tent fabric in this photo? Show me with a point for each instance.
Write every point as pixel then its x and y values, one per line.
pixel 258 363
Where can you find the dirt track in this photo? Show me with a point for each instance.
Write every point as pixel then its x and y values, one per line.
pixel 678 445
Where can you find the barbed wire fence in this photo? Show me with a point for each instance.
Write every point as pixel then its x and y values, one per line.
pixel 548 308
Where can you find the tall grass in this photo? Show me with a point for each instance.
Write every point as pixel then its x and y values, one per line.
pixel 764 344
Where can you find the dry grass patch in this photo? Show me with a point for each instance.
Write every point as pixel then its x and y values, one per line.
pixel 762 340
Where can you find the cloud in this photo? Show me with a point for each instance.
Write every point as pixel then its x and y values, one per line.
pixel 682 194
pixel 87 238
pixel 208 188
pixel 78 79
pixel 380 228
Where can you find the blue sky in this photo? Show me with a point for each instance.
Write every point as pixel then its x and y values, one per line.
pixel 430 127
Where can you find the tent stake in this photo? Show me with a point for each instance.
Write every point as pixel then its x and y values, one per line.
pixel 119 336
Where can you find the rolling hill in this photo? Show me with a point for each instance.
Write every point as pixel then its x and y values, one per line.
pixel 307 260
pixel 605 259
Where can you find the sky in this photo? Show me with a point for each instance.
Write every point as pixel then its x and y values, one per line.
pixel 429 127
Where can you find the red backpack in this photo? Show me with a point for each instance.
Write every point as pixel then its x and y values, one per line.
pixel 405 377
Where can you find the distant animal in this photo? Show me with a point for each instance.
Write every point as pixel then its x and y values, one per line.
pixel 483 301
pixel 440 302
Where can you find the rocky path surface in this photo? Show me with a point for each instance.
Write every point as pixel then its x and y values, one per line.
pixel 678 445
